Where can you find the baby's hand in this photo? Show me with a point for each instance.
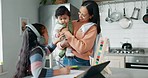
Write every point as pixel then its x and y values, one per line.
pixel 64 43
pixel 57 35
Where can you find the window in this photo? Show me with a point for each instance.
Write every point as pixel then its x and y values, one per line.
pixel 1 45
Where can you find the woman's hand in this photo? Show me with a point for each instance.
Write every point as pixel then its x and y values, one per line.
pixel 64 30
pixel 63 44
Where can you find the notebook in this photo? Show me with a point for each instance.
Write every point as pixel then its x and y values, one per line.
pixel 94 71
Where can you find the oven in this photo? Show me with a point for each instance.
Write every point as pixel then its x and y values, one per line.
pixel 139 62
pixel 133 58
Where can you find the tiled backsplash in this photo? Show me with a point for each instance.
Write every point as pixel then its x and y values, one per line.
pixel 138 32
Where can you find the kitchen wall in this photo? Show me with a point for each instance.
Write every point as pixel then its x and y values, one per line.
pixel 76 3
pixel 11 11
pixel 137 32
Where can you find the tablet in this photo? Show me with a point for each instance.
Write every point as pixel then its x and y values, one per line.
pixel 94 71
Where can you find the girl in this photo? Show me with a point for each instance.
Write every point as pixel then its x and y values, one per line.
pixel 32 55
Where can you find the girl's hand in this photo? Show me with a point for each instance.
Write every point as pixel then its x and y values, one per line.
pixel 65 70
pixel 62 71
pixel 60 38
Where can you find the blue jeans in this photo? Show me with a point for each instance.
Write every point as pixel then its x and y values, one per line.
pixel 75 61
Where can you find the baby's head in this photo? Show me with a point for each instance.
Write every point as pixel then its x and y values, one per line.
pixel 62 14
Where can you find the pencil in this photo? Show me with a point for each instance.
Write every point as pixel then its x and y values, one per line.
pixel 61 64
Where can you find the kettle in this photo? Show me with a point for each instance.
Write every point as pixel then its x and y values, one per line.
pixel 127 46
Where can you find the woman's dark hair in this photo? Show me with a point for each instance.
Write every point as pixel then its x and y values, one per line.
pixel 93 10
pixel 29 42
pixel 61 11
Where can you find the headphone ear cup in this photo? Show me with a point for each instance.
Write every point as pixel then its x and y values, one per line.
pixel 41 40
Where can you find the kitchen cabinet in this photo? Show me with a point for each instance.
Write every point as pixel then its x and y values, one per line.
pixel 127 73
pixel 116 61
pixel 47 18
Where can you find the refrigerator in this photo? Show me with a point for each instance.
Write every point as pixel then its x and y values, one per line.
pixel 47 18
pixel 47 15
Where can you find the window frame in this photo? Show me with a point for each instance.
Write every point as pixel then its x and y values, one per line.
pixel 1 41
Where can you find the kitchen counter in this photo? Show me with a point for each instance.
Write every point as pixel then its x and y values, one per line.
pixel 115 54
pixel 118 73
pixel 126 60
pixel 120 54
pixel 127 73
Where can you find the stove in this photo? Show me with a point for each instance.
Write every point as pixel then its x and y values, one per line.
pixel 133 51
pixel 134 57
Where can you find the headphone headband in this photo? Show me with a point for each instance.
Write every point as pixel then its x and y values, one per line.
pixel 33 29
pixel 40 39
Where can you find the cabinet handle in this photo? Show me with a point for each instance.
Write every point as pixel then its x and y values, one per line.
pixel 139 65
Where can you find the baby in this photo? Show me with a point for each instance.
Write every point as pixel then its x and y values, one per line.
pixel 62 15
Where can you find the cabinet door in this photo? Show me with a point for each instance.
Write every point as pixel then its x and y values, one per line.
pixel 116 61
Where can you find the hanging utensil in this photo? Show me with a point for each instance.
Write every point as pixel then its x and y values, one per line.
pixel 101 8
pixel 135 14
pixel 108 19
pixel 145 17
pixel 125 22
pixel 115 16
pixel 136 11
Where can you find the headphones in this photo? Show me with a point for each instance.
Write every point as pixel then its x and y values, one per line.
pixel 40 39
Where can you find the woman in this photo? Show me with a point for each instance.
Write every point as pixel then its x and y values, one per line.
pixel 32 56
pixel 85 31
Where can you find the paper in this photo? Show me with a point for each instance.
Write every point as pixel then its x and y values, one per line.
pixel 73 73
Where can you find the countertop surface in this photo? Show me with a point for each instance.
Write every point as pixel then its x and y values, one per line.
pixel 122 73
pixel 127 73
pixel 120 54
pixel 116 54
pixel 117 73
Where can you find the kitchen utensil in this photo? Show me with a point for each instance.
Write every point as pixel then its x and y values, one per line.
pixel 125 22
pixel 115 16
pixel 135 14
pixel 136 11
pixel 127 46
pixel 145 17
pixel 108 19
